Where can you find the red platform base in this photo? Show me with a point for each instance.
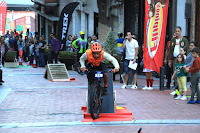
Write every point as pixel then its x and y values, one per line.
pixel 120 115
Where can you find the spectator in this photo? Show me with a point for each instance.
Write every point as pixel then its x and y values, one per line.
pixel 42 46
pixel 131 46
pixel 7 40
pixel 31 50
pixel 120 41
pixel 36 38
pixel 55 46
pixel 149 77
pixel 49 41
pixel 15 33
pixel 20 46
pixel 7 33
pixel 168 69
pixel 28 34
pixel 183 52
pixel 89 39
pixel 16 46
pixel 21 33
pixel 3 49
pixel 195 75
pixel 36 53
pixel 26 43
pixel 181 77
pixel 69 44
pixel 189 58
pixel 11 39
pixel 81 44
pixel 174 49
pixel 94 39
pixel 74 37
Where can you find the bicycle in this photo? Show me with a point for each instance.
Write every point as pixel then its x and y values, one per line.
pixel 96 94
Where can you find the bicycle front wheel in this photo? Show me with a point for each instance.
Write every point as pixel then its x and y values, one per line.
pixel 95 101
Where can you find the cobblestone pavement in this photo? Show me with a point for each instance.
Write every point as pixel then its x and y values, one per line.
pixel 30 103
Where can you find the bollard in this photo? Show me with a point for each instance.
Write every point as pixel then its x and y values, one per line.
pixel 113 76
pixel 75 63
pixel 121 71
pixel 162 72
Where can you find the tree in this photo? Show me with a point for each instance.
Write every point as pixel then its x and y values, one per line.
pixel 19 28
pixel 7 27
pixel 110 45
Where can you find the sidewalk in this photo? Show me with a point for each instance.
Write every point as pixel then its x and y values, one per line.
pixel 34 104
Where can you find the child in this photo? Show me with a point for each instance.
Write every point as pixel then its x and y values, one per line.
pixel 183 52
pixel 195 75
pixel 36 53
pixel 95 56
pixel 181 77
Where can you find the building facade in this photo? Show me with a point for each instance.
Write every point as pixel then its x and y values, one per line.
pixel 24 19
pixel 85 16
pixel 121 16
pixel 101 16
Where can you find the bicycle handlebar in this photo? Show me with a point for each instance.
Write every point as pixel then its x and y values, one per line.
pixel 87 71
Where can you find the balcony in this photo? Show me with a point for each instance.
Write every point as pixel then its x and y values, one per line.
pixel 46 3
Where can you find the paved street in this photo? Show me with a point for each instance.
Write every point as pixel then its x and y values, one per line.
pixel 30 103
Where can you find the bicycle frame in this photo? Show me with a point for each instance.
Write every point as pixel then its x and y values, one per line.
pixel 96 95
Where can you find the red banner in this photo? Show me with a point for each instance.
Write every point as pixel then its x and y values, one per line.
pixel 154 33
pixel 3 12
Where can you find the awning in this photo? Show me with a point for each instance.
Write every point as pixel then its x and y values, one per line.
pixel 51 18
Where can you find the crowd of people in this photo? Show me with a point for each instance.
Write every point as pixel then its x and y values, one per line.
pixel 30 47
pixel 182 65
pixel 27 47
pixel 181 58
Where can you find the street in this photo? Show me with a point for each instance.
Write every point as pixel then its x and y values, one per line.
pixel 29 103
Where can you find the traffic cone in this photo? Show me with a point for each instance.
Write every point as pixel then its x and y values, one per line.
pixel 28 64
pixel 20 61
pixel 34 63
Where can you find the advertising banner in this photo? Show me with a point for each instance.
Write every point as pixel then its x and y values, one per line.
pixel 154 33
pixel 65 18
pixel 3 12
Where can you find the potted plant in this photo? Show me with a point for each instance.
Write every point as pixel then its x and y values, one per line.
pixel 110 46
pixel 67 58
pixel 46 54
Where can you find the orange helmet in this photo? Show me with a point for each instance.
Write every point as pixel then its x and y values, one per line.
pixel 96 47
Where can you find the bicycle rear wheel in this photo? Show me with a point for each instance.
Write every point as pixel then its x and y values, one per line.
pixel 95 101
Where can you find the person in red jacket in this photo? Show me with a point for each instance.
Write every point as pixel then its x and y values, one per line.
pixel 195 75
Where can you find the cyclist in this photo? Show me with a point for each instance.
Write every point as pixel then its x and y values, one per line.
pixel 94 56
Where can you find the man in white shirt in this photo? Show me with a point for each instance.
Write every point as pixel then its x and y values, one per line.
pixel 131 46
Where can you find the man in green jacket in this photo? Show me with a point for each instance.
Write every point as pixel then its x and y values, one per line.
pixel 80 45
pixel 174 49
